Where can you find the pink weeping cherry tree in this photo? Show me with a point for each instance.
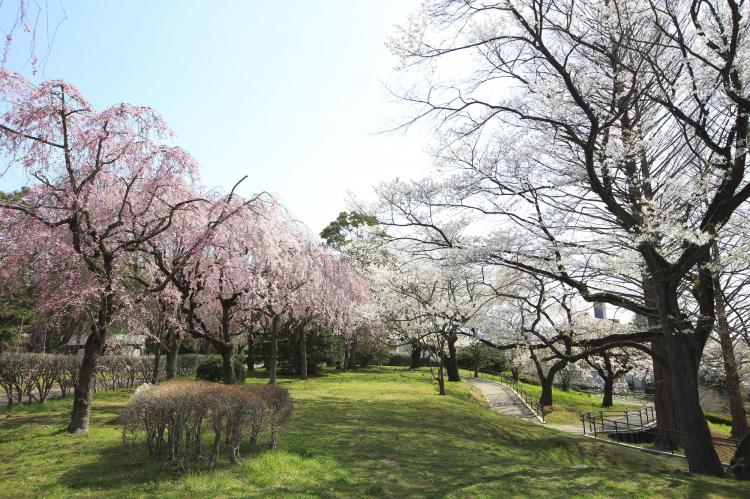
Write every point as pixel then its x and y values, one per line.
pixel 330 298
pixel 286 265
pixel 211 257
pixel 102 185
pixel 347 304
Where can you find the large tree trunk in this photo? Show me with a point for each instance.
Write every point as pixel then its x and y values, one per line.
pixel 452 360
pixel 416 356
pixel 352 360
pixel 545 399
pixel 736 404
pixel 740 463
pixel 172 354
pixel 685 348
pixel 274 350
pixel 691 422
pixel 302 353
pixel 157 365
pixel 609 384
pixel 250 359
pixel 666 421
pixel 226 352
pixel 79 417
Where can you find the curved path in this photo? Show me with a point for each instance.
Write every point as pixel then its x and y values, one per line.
pixel 502 399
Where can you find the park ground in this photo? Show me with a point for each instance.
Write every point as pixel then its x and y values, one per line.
pixel 368 433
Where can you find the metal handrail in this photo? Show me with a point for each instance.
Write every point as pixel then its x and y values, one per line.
pixel 597 419
pixel 530 401
pixel 645 434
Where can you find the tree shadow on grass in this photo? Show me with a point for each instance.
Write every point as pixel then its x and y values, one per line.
pixel 117 467
pixel 110 467
pixel 344 442
pixel 433 450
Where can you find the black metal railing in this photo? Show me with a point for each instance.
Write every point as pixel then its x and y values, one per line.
pixel 530 400
pixel 617 421
pixel 607 425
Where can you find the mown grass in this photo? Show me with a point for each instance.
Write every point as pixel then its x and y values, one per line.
pixel 369 433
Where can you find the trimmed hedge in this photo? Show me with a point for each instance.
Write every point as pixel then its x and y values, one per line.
pixel 397 359
pixel 32 376
pixel 174 417
pixel 187 364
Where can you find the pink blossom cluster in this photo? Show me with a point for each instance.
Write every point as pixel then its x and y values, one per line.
pixel 115 217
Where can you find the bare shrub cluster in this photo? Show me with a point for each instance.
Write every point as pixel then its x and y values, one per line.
pixel 33 376
pixel 124 371
pixel 186 422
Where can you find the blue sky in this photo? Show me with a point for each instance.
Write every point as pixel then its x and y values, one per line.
pixel 291 93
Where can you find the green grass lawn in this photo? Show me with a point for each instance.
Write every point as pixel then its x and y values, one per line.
pixel 370 433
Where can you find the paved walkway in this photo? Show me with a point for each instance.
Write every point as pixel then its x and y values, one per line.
pixel 502 399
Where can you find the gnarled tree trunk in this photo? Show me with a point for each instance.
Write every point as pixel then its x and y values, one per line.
pixel 609 384
pixel 452 359
pixel 684 349
pixel 352 357
pixel 694 433
pixel 545 399
pixel 79 418
pixel 226 352
pixel 416 356
pixel 172 354
pixel 157 365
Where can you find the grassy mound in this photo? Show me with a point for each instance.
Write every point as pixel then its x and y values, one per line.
pixel 370 433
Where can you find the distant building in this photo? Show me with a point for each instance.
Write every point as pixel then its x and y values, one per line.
pixel 125 344
pixel 600 312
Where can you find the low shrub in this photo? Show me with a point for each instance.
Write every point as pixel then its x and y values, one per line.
pixel 372 356
pixel 124 371
pixel 187 364
pixel 32 376
pixel 529 379
pixel 489 358
pixel 173 418
pixel 397 359
pixel 70 368
pixel 211 368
